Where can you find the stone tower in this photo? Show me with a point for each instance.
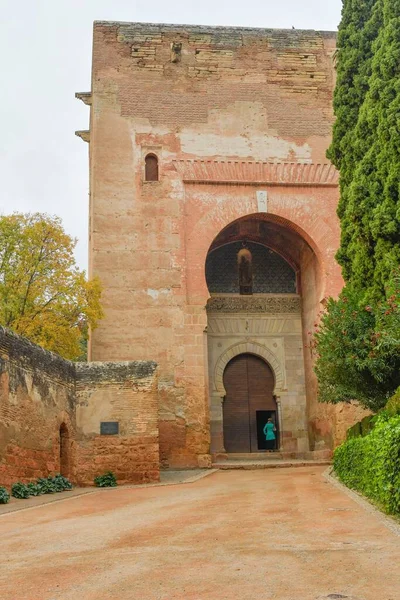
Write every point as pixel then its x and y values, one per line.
pixel 205 141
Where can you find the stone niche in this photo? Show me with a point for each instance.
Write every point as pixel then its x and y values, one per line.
pixel 269 327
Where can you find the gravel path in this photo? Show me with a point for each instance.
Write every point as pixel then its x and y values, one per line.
pixel 235 535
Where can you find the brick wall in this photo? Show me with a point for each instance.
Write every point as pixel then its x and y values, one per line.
pixel 44 397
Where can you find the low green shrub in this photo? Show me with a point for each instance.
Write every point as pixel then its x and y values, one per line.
pixel 47 485
pixel 371 464
pixel 34 489
pixel 44 485
pixel 61 483
pixel 20 490
pixel 4 496
pixel 106 480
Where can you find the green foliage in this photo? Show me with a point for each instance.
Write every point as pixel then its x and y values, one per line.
pixel 61 483
pixel 366 148
pixel 34 489
pixel 20 490
pixel 44 485
pixel 393 405
pixel 43 294
pixel 371 220
pixel 367 424
pixel 357 31
pixel 106 480
pixel 354 431
pixel 51 485
pixel 362 428
pixel 371 464
pixel 4 496
pixel 357 347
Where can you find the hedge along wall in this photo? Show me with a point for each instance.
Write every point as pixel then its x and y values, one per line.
pixel 371 464
pixel 51 412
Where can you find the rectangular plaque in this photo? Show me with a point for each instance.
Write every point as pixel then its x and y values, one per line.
pixel 262 201
pixel 109 428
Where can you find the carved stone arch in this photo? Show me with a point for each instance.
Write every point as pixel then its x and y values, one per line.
pixel 248 348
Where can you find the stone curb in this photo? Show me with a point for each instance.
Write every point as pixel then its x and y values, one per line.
pixel 389 522
pixel 8 509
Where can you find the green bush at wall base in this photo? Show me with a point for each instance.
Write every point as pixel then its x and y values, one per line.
pixel 371 464
pixel 4 496
pixel 44 485
pixel 34 489
pixel 51 485
pixel 20 490
pixel 61 483
pixel 106 480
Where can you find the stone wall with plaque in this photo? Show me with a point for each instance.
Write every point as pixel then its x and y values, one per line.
pixel 117 420
pixel 105 413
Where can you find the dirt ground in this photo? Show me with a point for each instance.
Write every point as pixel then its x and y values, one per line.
pixel 235 535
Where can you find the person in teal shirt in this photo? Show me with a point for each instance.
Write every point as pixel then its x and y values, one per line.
pixel 269 432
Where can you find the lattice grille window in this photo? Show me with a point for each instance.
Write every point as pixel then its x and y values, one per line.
pixel 271 273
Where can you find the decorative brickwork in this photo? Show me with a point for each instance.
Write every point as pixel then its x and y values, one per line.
pixel 272 304
pixel 257 173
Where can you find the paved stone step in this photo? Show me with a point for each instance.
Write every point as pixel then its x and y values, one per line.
pixel 250 465
pixel 324 455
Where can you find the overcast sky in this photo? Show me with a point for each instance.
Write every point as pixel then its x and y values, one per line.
pixel 45 49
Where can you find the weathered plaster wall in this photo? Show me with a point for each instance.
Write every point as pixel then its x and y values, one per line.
pixel 125 393
pixel 36 397
pixel 39 391
pixel 230 97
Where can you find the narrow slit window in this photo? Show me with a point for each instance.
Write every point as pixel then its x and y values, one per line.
pixel 151 167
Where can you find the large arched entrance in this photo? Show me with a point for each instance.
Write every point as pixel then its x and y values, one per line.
pixel 249 402
pixel 264 283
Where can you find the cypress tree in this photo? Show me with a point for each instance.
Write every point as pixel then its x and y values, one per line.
pixel 358 30
pixel 358 343
pixel 371 219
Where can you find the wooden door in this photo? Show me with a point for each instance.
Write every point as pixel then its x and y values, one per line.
pixel 261 394
pixel 249 385
pixel 236 406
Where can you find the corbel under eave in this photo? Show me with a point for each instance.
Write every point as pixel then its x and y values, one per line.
pixel 86 97
pixel 84 135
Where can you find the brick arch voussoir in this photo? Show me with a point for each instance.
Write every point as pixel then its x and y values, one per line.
pixel 248 348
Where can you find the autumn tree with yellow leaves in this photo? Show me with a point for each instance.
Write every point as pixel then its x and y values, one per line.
pixel 44 296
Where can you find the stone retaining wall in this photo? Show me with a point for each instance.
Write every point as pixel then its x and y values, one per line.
pixel 123 393
pixel 40 393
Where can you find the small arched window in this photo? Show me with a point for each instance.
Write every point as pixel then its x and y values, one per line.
pixel 151 168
